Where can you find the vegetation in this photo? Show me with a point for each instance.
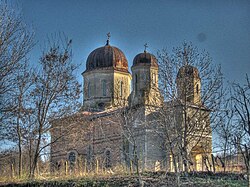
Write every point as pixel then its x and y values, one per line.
pixel 32 98
pixel 150 179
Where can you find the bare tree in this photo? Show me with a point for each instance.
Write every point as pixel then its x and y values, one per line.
pixel 224 130
pixel 16 41
pixel 168 131
pixel 55 92
pixel 192 87
pixel 21 100
pixel 241 107
pixel 126 117
pixel 20 121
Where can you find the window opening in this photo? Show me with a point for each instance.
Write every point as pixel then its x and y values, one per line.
pixel 121 89
pixel 104 88
pixel 197 88
pixel 88 91
pixel 108 159
pixel 154 78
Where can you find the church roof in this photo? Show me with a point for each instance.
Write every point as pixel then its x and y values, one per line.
pixel 107 57
pixel 145 59
pixel 188 71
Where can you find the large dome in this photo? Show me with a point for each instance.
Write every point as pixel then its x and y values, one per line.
pixel 145 59
pixel 188 71
pixel 107 57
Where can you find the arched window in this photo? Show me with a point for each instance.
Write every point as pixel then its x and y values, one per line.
pixel 197 88
pixel 121 89
pixel 153 78
pixel 72 158
pixel 94 90
pixel 108 163
pixel 104 87
pixel 136 81
pixel 88 91
pixel 89 153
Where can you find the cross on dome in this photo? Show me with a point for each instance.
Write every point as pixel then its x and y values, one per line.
pixel 108 35
pixel 185 57
pixel 146 46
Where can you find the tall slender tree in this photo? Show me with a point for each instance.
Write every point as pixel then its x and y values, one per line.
pixel 241 108
pixel 16 41
pixel 56 91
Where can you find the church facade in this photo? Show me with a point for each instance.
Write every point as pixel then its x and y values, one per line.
pixel 134 128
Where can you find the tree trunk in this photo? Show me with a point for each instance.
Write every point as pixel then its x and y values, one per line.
pixel 30 156
pixel 212 156
pixel 20 168
pixel 184 155
pixel 36 155
pixel 224 156
pixel 12 171
pixel 184 158
pixel 141 184
pixel 19 134
pixel 20 163
pixel 177 173
pixel 33 168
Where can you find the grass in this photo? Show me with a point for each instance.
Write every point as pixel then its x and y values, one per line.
pixel 115 180
pixel 232 183
pixel 219 180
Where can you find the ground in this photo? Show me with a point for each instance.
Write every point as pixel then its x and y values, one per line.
pixel 159 179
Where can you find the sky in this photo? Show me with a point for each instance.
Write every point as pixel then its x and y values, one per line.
pixel 221 27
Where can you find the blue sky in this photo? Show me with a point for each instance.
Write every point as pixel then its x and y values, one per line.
pixel 222 27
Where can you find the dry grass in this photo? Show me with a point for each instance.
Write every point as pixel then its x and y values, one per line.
pixel 121 176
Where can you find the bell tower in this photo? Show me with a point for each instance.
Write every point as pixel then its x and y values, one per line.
pixel 145 80
pixel 189 84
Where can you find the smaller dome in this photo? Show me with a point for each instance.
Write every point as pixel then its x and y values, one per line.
pixel 188 71
pixel 145 59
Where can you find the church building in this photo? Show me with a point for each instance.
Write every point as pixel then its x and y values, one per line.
pixel 125 122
